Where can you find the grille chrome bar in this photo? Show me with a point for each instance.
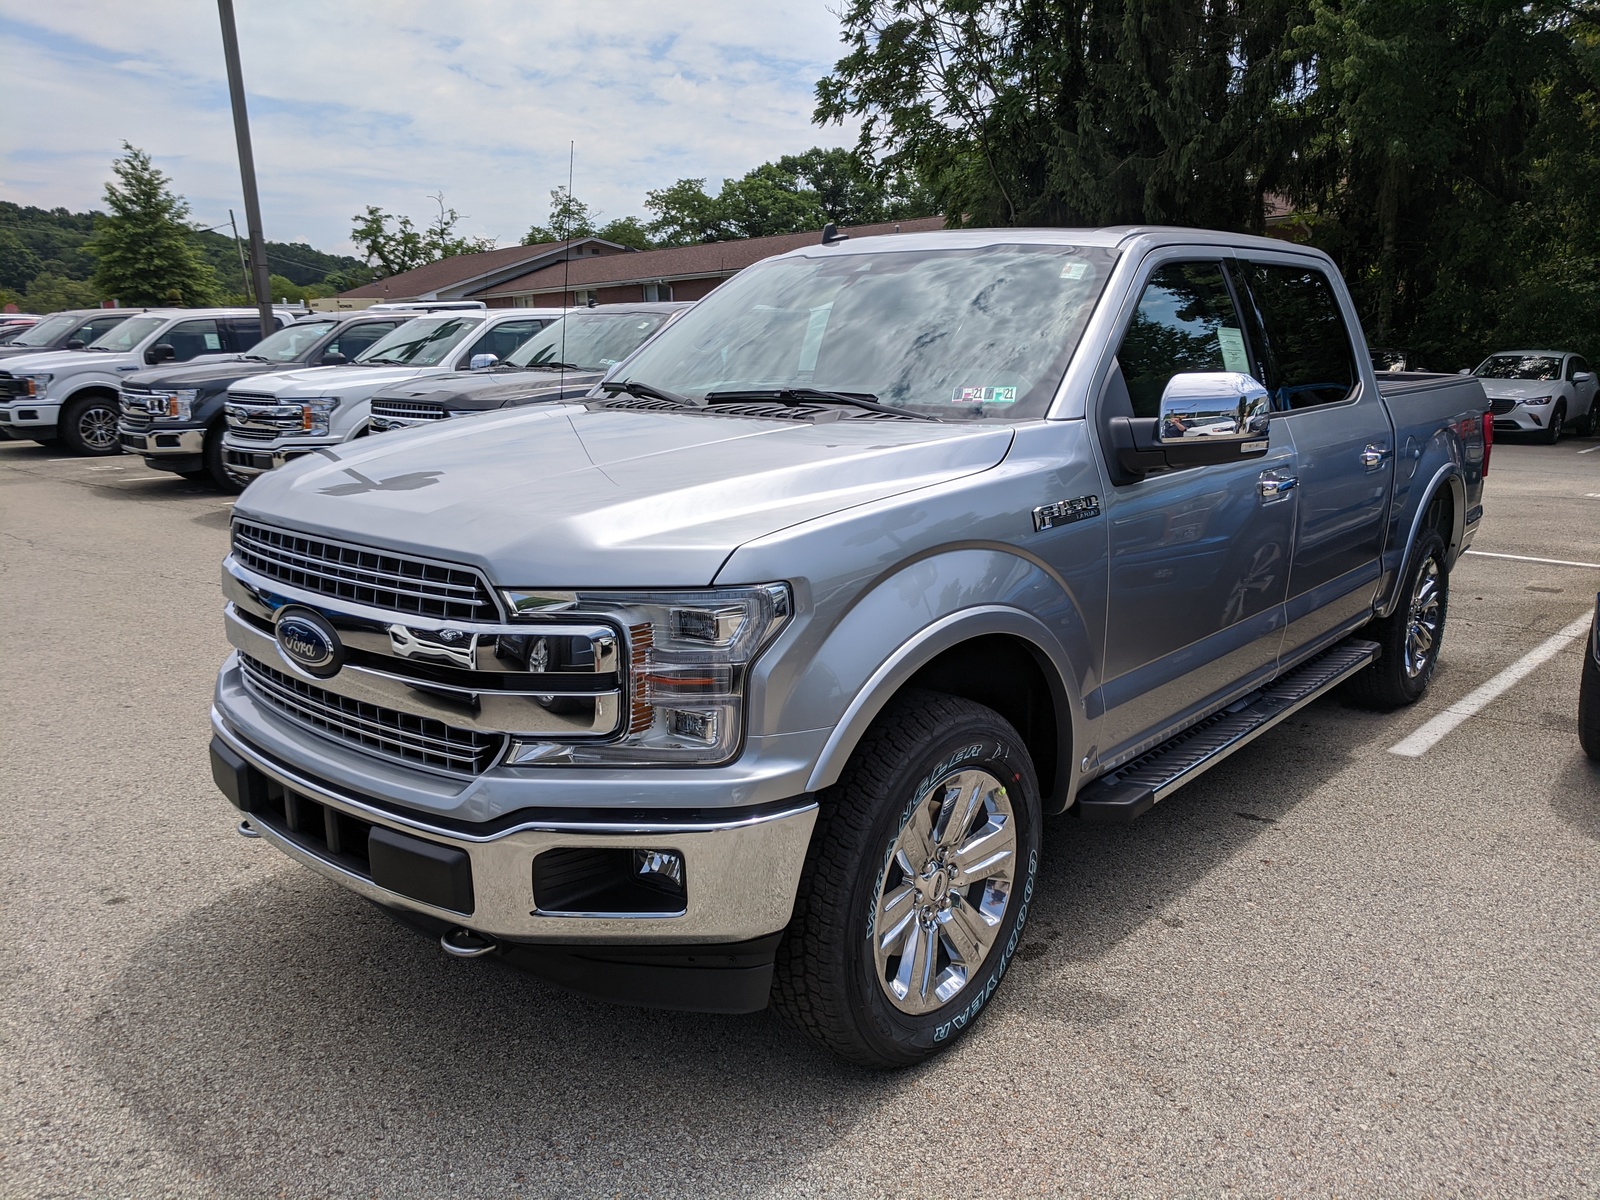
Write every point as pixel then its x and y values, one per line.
pixel 408 410
pixel 414 739
pixel 400 583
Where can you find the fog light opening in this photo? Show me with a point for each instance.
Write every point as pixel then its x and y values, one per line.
pixel 621 882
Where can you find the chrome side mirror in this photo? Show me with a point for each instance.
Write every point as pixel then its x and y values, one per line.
pixel 482 362
pixel 1226 406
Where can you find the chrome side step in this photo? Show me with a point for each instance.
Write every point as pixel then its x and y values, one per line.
pixel 1133 788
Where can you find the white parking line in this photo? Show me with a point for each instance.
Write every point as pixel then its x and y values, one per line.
pixel 1554 562
pixel 1424 739
pixel 1590 450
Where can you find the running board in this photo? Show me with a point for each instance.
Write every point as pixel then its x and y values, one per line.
pixel 1133 788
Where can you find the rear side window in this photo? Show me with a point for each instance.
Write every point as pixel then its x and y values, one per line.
pixel 353 339
pixel 503 339
pixel 1575 367
pixel 1186 321
pixel 242 333
pixel 191 338
pixel 1305 348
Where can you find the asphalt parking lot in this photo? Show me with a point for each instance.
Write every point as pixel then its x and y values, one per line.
pixel 1324 968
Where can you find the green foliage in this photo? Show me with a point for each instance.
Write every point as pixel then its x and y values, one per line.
pixel 626 231
pixel 144 251
pixel 48 292
pixel 389 251
pixel 569 218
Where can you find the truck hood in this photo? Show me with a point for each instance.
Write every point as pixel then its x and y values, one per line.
pixel 61 361
pixel 206 376
pixel 19 351
pixel 567 497
pixel 334 381
pixel 1520 389
pixel 479 392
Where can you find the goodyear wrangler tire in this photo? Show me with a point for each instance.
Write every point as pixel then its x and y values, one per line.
pixel 916 886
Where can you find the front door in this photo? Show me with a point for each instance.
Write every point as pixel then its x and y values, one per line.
pixel 1199 557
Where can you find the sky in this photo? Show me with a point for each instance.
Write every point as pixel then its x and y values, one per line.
pixel 361 102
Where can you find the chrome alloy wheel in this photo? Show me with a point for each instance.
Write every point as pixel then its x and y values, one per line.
pixel 944 891
pixel 97 426
pixel 1422 626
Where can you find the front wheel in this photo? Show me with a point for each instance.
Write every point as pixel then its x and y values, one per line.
pixel 216 464
pixel 1589 700
pixel 88 425
pixel 1411 636
pixel 1584 425
pixel 916 886
pixel 1558 422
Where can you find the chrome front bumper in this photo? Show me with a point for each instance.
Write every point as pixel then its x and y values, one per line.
pixel 154 441
pixel 741 869
pixel 249 461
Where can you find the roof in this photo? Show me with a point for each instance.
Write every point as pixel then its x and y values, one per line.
pixel 463 269
pixel 683 262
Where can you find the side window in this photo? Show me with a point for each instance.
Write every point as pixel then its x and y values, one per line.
pixel 189 338
pixel 1579 365
pixel 97 327
pixel 353 339
pixel 503 339
pixel 243 332
pixel 1185 321
pixel 1306 354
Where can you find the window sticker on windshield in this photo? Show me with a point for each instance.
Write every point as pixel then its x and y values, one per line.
pixel 1075 269
pixel 984 395
pixel 213 342
pixel 1233 356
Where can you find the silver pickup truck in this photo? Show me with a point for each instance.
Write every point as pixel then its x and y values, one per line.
pixel 750 678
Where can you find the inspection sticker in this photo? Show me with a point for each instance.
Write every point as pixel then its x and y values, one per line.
pixel 984 395
pixel 1075 269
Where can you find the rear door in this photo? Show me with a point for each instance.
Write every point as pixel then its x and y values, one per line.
pixel 1343 441
pixel 502 339
pixel 1199 557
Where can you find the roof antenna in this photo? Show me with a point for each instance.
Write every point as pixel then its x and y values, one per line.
pixel 566 272
pixel 831 234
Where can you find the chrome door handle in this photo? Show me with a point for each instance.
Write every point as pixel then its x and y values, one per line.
pixel 1275 488
pixel 1373 457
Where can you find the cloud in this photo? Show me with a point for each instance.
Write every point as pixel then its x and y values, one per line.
pixel 365 103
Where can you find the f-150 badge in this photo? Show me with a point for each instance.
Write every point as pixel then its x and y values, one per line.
pixel 1065 512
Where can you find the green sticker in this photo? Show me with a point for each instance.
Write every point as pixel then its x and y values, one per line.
pixel 1234 357
pixel 984 395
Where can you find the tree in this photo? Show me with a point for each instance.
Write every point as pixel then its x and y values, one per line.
pixel 851 191
pixel 684 215
pixel 18 264
pixel 569 218
pixel 144 251
pixel 389 251
pixel 51 293
pixel 626 231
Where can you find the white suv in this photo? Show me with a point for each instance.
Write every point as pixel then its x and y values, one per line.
pixel 72 394
pixel 273 418
pixel 1539 391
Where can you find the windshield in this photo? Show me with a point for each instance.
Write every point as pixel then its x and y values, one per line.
pixel 45 332
pixel 129 334
pixel 1519 366
pixel 589 341
pixel 290 342
pixel 980 334
pixel 420 343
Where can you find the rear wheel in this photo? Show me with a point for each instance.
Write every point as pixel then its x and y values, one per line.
pixel 216 468
pixel 1558 422
pixel 916 886
pixel 1584 425
pixel 88 425
pixel 1411 636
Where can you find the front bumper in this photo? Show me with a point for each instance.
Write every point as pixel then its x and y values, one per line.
pixel 741 867
pixel 23 419
pixel 155 441
pixel 249 460
pixel 1521 418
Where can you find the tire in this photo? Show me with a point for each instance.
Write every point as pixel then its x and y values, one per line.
pixel 52 440
pixel 1589 700
pixel 840 964
pixel 1584 425
pixel 216 468
pixel 1558 421
pixel 1411 636
pixel 88 426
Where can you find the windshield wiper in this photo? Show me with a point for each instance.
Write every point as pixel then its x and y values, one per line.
pixel 799 395
pixel 255 358
pixel 552 366
pixel 645 391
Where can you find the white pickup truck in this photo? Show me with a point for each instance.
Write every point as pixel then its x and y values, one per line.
pixel 72 394
pixel 275 418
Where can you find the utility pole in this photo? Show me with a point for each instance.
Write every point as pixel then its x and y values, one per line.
pixel 244 268
pixel 247 166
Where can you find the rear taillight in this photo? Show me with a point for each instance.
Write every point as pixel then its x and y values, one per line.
pixel 1488 439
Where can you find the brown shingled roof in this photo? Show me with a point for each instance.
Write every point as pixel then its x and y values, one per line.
pixel 680 262
pixel 457 269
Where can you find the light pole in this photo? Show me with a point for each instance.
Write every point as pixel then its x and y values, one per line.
pixel 247 166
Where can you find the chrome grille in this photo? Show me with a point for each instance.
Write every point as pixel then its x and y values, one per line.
pixel 385 731
pixel 408 410
pixel 381 580
pixel 1502 405
pixel 134 413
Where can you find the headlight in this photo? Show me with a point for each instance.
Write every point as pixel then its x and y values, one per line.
pixel 37 384
pixel 314 414
pixel 1538 400
pixel 690 656
pixel 175 406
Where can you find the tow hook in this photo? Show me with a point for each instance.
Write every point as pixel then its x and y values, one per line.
pixel 248 830
pixel 466 943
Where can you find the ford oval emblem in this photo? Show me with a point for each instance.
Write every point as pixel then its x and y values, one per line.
pixel 309 642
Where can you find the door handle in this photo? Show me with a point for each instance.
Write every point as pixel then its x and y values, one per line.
pixel 1274 488
pixel 1373 457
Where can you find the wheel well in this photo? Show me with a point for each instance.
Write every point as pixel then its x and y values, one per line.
pixel 94 389
pixel 1005 673
pixel 1441 516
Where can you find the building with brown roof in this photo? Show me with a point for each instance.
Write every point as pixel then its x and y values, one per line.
pixel 463 276
pixel 678 273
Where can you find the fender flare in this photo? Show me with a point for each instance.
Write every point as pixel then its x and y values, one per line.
pixel 927 644
pixel 1448 475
